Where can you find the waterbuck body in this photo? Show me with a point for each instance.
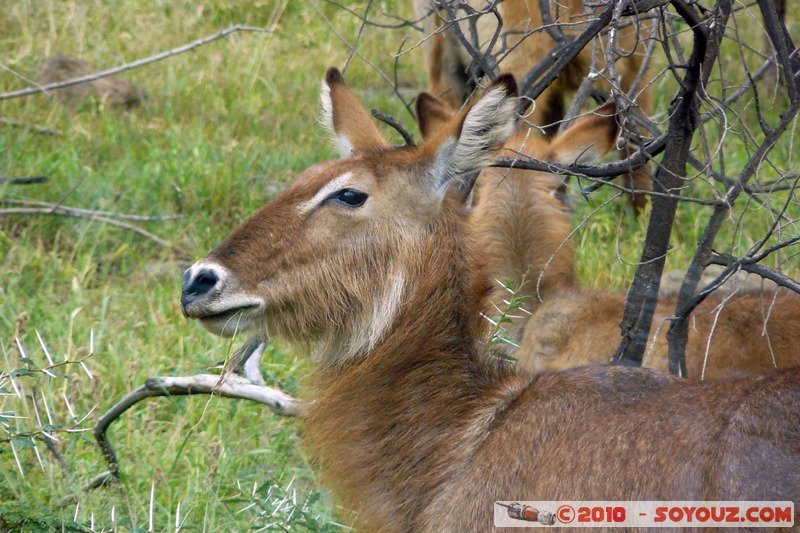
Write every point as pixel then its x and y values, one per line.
pixel 373 264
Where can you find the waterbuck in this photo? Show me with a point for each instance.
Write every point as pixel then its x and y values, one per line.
pixel 371 263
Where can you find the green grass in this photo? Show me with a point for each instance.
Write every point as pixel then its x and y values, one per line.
pixel 225 128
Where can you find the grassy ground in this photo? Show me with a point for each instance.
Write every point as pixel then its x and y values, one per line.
pixel 224 128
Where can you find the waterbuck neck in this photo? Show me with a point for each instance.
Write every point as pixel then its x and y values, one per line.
pixel 423 399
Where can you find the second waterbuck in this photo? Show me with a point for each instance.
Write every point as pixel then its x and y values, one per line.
pixel 370 263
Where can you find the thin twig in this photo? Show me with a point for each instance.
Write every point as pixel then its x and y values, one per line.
pixel 550 67
pixel 135 64
pixel 24 181
pixel 69 192
pixel 483 63
pixel 59 211
pixel 361 56
pixel 402 24
pixel 88 212
pixel 51 447
pixel 582 95
pixel 358 37
pixel 393 122
pixel 750 265
pixel 37 129
pixel 49 441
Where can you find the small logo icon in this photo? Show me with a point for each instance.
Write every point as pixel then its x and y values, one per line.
pixel 528 514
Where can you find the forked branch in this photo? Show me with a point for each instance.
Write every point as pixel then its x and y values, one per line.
pixel 250 387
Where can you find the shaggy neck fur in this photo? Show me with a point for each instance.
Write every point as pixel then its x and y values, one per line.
pixel 394 425
pixel 363 331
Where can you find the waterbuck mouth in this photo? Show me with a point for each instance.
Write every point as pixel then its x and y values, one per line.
pixel 227 314
pixel 228 322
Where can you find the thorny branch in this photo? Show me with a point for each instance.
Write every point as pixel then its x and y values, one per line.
pixel 31 418
pixel 250 387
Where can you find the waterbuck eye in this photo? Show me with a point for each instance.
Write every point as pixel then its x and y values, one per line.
pixel 349 197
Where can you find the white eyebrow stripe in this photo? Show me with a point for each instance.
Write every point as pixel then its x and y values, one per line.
pixel 326 190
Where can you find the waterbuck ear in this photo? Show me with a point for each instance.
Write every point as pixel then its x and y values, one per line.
pixel 346 119
pixel 474 139
pixel 432 115
pixel 588 139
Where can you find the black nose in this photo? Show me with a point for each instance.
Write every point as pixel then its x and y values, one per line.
pixel 198 286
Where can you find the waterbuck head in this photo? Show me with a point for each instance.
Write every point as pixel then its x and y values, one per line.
pixel 331 260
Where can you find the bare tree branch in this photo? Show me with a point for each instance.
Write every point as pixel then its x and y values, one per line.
pixel 552 29
pixel 640 306
pixel 394 123
pixel 362 57
pixel 483 62
pixel 358 37
pixel 604 172
pixel 547 70
pixel 227 386
pixel 751 265
pixel 402 24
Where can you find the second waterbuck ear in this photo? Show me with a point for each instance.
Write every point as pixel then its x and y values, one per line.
pixel 432 115
pixel 345 117
pixel 474 139
pixel 590 138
